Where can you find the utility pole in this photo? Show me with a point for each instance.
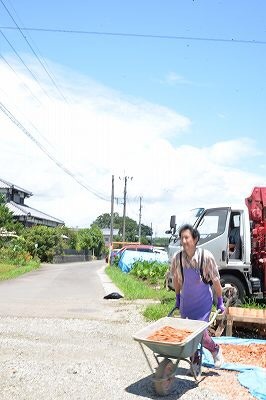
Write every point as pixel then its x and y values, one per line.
pixel 124 210
pixel 151 232
pixel 124 206
pixel 140 207
pixel 112 212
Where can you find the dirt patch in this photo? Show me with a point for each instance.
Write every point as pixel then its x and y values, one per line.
pixel 169 334
pixel 251 354
pixel 226 383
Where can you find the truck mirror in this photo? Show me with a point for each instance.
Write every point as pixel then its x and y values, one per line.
pixel 173 222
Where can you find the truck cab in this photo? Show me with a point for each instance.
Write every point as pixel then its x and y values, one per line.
pixel 224 231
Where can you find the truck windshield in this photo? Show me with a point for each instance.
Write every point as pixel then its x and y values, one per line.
pixel 189 217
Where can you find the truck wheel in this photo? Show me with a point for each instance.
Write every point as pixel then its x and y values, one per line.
pixel 228 281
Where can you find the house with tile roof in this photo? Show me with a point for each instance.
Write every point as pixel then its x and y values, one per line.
pixel 15 196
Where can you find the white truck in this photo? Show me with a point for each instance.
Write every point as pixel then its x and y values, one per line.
pixel 242 264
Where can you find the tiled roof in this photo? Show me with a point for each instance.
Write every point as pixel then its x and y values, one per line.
pixel 23 210
pixel 8 185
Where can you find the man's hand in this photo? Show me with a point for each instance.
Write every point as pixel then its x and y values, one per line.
pixel 177 301
pixel 220 304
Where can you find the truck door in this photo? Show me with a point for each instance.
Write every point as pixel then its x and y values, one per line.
pixel 213 228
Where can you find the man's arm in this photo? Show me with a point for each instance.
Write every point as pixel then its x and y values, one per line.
pixel 219 291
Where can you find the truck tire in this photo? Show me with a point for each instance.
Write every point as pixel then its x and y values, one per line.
pixel 236 283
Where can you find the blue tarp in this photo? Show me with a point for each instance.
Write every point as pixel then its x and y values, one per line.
pixel 128 258
pixel 252 377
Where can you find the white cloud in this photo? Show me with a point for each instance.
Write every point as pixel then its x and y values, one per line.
pixel 231 151
pixel 173 78
pixel 99 133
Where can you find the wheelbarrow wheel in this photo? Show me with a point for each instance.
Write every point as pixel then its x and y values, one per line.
pixel 195 364
pixel 164 377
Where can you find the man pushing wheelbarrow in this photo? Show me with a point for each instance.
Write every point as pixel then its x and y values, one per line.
pixel 194 271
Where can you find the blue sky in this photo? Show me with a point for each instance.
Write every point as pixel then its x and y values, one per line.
pixel 185 117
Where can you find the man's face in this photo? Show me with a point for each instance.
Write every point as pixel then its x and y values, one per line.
pixel 187 241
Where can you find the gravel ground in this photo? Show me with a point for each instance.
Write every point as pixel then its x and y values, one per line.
pixel 82 359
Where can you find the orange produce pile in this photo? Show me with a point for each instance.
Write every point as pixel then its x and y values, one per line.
pixel 251 354
pixel 169 334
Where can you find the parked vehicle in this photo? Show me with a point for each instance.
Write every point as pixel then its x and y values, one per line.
pixel 130 255
pixel 137 247
pixel 243 265
pixel 117 252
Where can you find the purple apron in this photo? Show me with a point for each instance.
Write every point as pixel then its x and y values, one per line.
pixel 196 297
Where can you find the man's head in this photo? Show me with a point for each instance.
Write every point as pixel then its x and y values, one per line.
pixel 189 238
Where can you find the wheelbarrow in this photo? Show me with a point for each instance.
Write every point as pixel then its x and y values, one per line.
pixel 166 352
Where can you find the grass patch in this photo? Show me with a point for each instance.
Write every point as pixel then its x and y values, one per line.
pixel 254 303
pixel 134 288
pixel 8 271
pixel 155 311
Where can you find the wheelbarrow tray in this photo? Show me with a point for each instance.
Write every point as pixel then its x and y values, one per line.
pixel 177 350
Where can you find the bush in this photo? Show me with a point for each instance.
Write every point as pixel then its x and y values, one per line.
pixel 151 271
pixel 43 242
pixel 15 255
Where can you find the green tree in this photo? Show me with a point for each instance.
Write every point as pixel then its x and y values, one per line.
pixel 146 230
pixel 104 220
pixel 84 239
pixel 97 240
pixel 43 241
pixel 131 227
pixel 161 241
pixel 7 221
pixel 71 237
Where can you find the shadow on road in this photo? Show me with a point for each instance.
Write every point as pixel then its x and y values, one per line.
pixel 144 387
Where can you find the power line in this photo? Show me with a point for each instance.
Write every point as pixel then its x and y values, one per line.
pixel 31 123
pixel 25 65
pixel 138 35
pixel 15 72
pixel 60 165
pixel 34 52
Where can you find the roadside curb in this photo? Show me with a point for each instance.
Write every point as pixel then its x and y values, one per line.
pixel 108 285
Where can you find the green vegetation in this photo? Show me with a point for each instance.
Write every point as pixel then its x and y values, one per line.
pixel 254 303
pixel 91 238
pixel 42 241
pixel 156 311
pixel 162 301
pixel 45 242
pixel 131 227
pixel 7 222
pixel 15 260
pixel 152 272
pixel 10 271
pixel 146 281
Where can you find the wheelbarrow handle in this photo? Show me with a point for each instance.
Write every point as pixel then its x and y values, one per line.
pixel 211 321
pixel 171 312
pixel 214 316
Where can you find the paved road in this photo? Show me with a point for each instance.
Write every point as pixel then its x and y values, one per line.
pixel 73 290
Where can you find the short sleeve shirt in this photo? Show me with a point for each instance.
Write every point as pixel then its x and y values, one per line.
pixel 209 267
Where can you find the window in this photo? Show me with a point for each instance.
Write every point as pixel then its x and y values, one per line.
pixel 212 224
